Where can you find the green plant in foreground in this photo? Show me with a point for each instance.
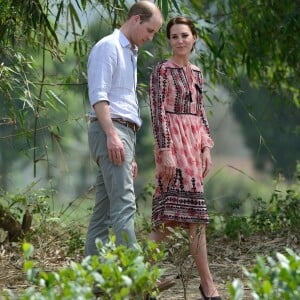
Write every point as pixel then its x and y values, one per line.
pixel 178 246
pixel 237 226
pixel 126 273
pixel 121 273
pixel 272 279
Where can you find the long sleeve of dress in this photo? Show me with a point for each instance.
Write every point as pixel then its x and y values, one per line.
pixel 206 140
pixel 158 93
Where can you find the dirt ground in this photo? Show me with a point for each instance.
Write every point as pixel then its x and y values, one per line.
pixel 226 261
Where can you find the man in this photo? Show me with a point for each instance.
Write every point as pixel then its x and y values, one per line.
pixel 114 121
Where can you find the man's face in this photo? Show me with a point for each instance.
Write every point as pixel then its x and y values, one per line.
pixel 144 32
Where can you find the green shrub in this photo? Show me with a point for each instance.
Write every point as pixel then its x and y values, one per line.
pixel 272 279
pixel 281 213
pixel 121 273
pixel 35 201
pixel 237 226
pixel 178 246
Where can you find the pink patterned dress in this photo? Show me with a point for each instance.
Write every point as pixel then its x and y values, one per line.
pixel 180 127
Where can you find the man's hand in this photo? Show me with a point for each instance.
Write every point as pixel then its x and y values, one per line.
pixel 115 149
pixel 134 169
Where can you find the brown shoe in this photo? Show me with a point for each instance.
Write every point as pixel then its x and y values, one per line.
pixel 164 284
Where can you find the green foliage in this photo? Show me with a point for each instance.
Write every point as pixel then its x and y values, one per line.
pixel 237 226
pixel 121 273
pixel 16 70
pixel 178 246
pixel 147 192
pixel 34 201
pixel 279 214
pixel 265 119
pixel 272 279
pixel 127 273
pixel 247 39
pixel 75 241
pixel 32 17
pixel 45 222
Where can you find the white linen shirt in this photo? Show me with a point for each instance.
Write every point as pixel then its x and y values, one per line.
pixel 112 77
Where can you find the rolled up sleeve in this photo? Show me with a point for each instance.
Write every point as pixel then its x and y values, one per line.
pixel 101 64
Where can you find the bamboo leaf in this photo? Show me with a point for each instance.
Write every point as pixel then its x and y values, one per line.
pixel 165 8
pixel 60 8
pixel 53 96
pixel 74 16
pixel 174 2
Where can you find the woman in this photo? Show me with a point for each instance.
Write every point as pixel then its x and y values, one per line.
pixel 182 148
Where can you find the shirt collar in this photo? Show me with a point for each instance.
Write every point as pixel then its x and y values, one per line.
pixel 124 41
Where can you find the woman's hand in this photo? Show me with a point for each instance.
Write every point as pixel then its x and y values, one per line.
pixel 206 161
pixel 168 167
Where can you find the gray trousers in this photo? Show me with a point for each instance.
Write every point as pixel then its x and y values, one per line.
pixel 115 199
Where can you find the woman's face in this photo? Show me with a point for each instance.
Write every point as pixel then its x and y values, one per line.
pixel 181 39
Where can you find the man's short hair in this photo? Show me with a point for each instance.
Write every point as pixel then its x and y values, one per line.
pixel 142 8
